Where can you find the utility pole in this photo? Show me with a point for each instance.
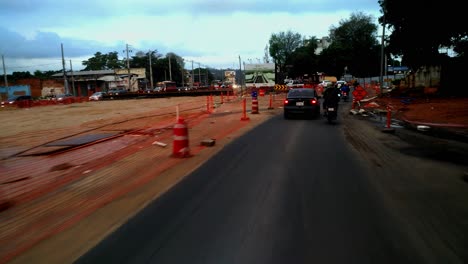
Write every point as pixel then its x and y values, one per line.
pixel 183 74
pixel 382 44
pixel 151 69
pixel 128 69
pixel 199 74
pixel 240 72
pixel 73 79
pixel 65 82
pixel 4 72
pixel 193 76
pixel 243 80
pixel 170 71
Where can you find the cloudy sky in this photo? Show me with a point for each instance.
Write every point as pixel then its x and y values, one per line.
pixel 213 33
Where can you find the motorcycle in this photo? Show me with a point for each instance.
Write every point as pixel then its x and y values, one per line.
pixel 344 96
pixel 331 113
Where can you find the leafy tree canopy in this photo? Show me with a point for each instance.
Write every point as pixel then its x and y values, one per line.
pixel 304 60
pixel 282 45
pixel 45 74
pixel 102 61
pixel 418 34
pixel 353 45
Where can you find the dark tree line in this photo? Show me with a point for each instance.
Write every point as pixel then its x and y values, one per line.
pixel 414 37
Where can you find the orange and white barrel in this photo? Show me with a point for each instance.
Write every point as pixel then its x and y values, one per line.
pixel 181 141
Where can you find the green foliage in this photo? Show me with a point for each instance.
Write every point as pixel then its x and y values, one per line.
pixel 101 61
pixel 303 59
pixel 45 74
pixel 419 34
pixel 353 45
pixel 282 46
pixel 20 75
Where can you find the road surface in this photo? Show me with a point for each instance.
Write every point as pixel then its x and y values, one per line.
pixel 289 191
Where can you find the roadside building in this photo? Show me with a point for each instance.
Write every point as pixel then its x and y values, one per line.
pixel 85 83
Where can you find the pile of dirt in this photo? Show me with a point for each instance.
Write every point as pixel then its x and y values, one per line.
pixel 442 111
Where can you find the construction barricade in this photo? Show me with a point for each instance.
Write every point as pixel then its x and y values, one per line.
pixel 181 147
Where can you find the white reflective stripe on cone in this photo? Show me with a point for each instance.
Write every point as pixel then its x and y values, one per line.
pixel 180 137
pixel 180 126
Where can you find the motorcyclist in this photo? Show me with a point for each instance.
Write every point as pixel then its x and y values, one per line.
pixel 345 90
pixel 331 97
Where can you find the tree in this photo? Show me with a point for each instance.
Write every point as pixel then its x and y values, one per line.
pixel 45 74
pixel 282 46
pixel 419 37
pixel 303 59
pixel 354 46
pixel 101 61
pixel 177 64
pixel 113 62
pixel 20 75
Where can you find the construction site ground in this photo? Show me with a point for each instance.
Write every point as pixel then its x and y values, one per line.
pixel 47 188
pixel 62 196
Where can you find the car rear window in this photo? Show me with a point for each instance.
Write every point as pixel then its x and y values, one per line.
pixel 301 93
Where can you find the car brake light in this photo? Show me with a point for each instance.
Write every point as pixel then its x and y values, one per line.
pixel 286 101
pixel 313 101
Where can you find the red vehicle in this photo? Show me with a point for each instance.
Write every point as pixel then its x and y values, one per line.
pixel 167 86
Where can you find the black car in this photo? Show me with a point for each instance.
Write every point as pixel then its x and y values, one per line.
pixel 301 102
pixel 117 91
pixel 14 100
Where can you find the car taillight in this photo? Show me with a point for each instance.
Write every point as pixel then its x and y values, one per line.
pixel 313 101
pixel 286 102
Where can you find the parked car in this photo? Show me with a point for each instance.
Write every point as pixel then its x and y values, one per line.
pixel 340 83
pixel 14 100
pixel 293 83
pixel 97 96
pixel 64 97
pixel 325 83
pixel 117 91
pixel 301 101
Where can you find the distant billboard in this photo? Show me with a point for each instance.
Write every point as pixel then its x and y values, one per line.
pixel 260 74
pixel 230 74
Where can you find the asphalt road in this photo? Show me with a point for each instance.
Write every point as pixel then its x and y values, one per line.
pixel 289 191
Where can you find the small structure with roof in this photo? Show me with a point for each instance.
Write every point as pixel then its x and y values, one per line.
pixel 86 83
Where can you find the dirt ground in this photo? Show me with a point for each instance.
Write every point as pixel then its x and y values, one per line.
pixel 18 121
pixel 431 110
pixel 46 193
